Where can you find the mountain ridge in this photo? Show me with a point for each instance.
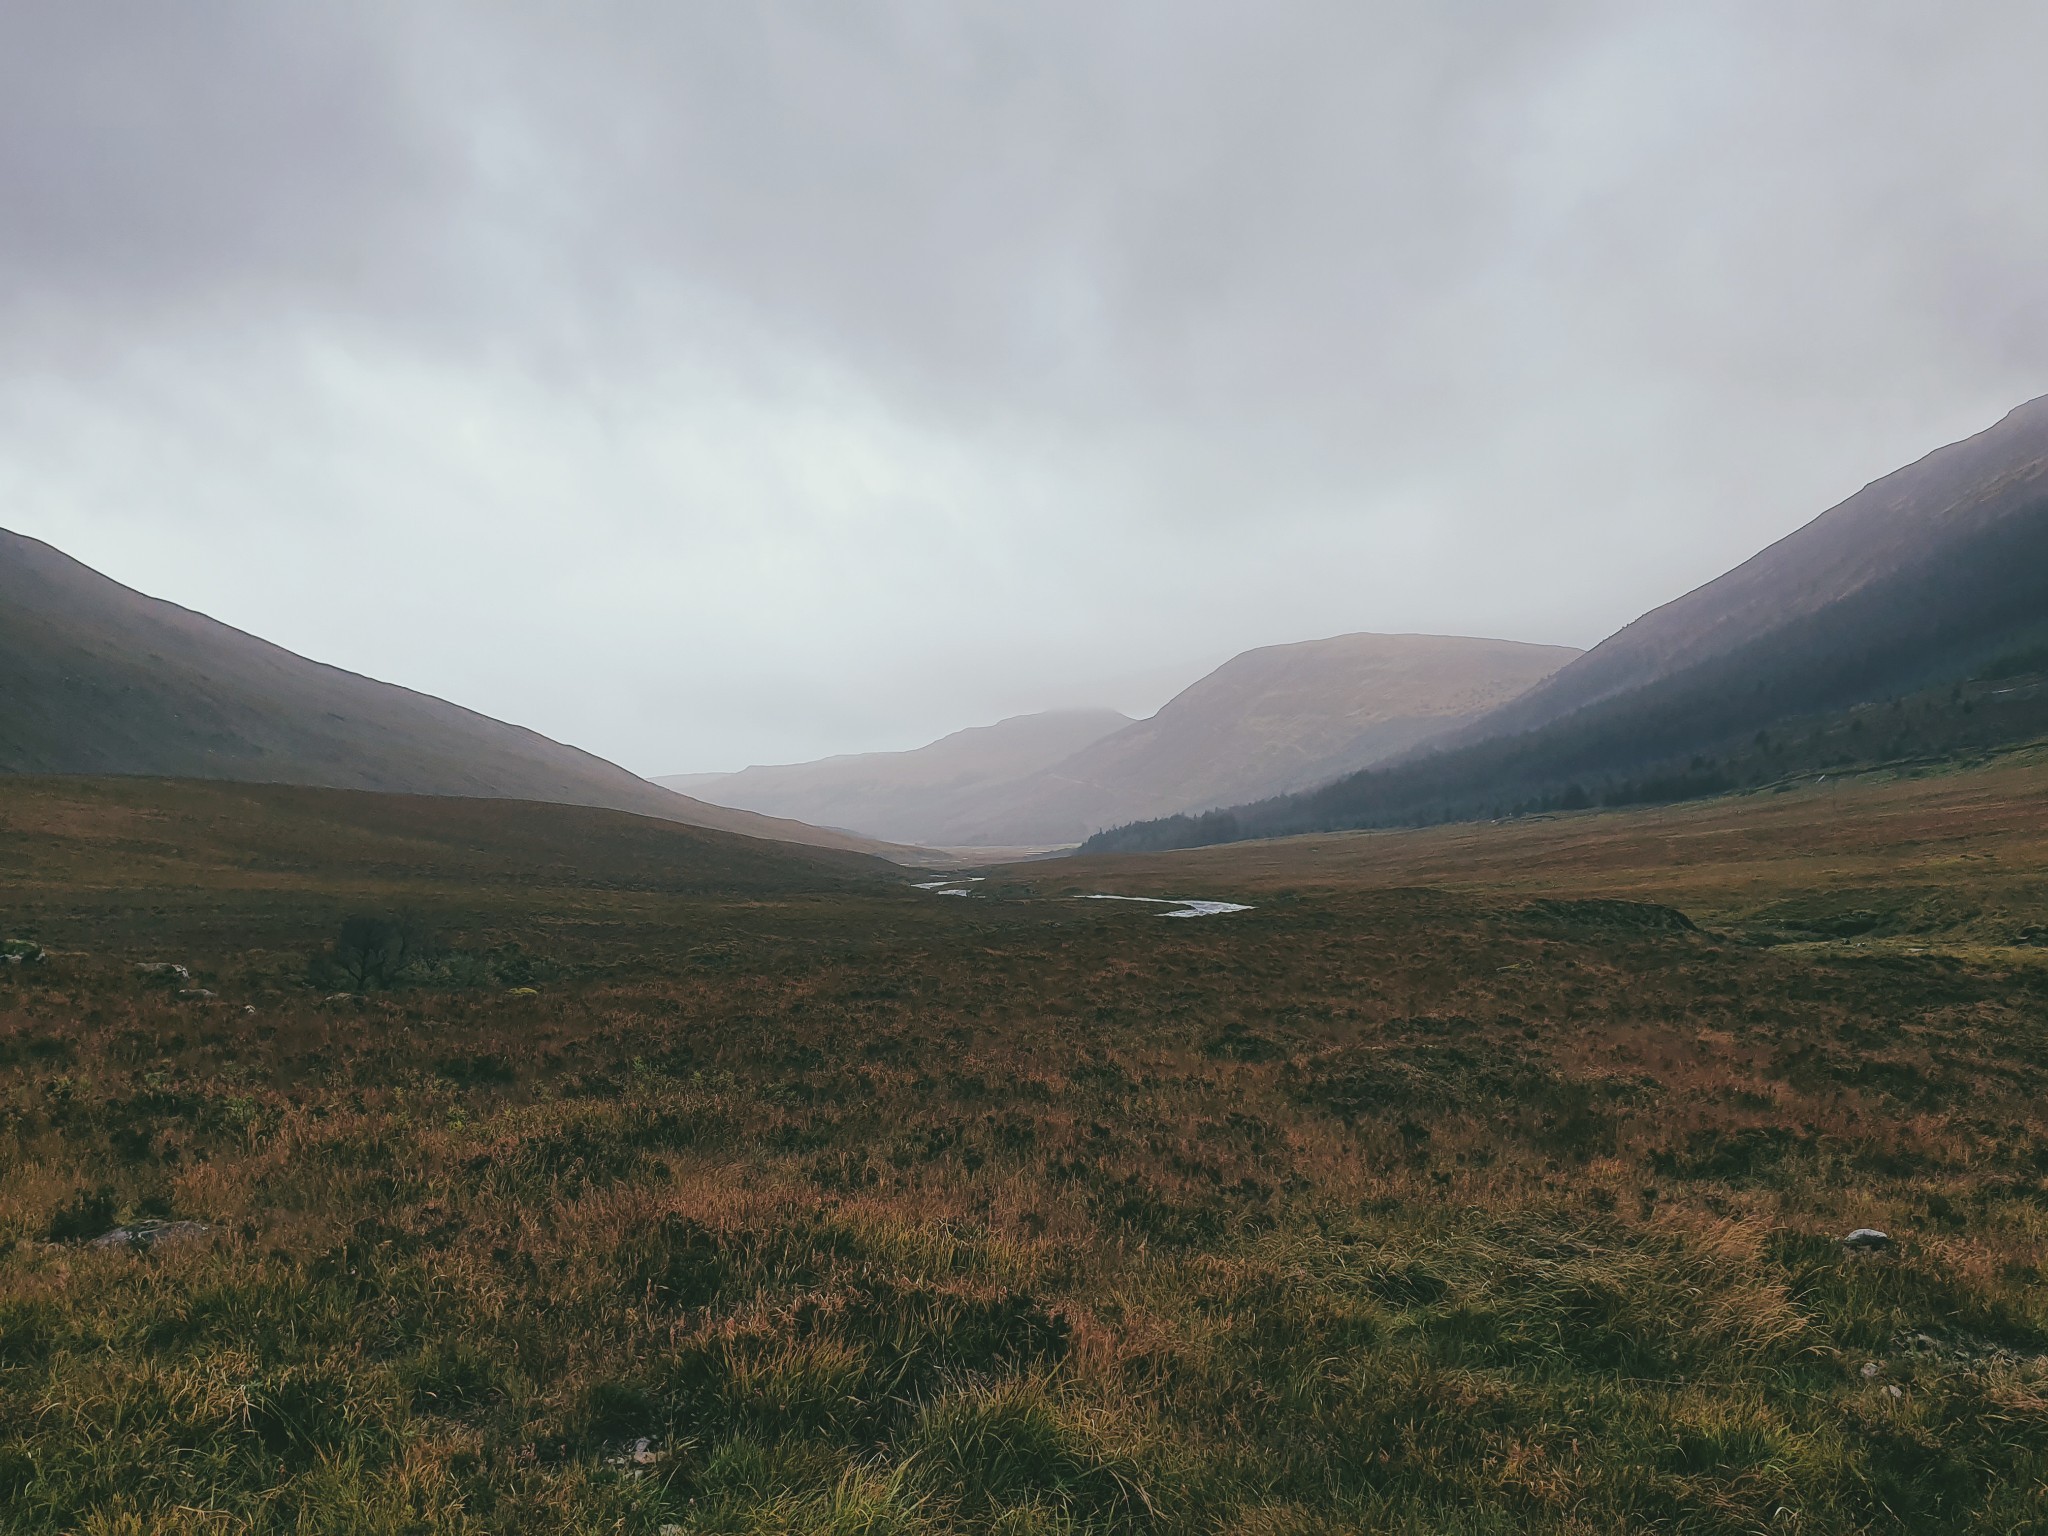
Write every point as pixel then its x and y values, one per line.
pixel 1788 578
pixel 98 678
pixel 1278 718
pixel 1912 583
pixel 1272 718
pixel 897 794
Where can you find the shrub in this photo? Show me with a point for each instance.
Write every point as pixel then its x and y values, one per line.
pixel 372 952
pixel 90 1213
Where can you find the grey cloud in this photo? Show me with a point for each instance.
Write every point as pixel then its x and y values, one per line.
pixel 157 157
pixel 1156 325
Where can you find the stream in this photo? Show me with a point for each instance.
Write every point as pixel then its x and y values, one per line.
pixel 1182 907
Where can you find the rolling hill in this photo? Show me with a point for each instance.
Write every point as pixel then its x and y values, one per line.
pixel 921 795
pixel 96 678
pixel 1265 722
pixel 1925 580
pixel 194 842
pixel 1270 721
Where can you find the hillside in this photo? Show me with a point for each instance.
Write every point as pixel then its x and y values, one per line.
pixel 1905 584
pixel 1954 856
pixel 1265 722
pixel 191 860
pixel 96 678
pixel 914 796
pixel 1900 597
pixel 1272 720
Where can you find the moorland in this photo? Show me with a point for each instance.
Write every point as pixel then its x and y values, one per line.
pixel 507 1167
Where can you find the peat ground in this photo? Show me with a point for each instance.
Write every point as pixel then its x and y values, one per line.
pixel 1479 1179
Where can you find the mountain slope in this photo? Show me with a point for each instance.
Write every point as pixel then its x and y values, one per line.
pixel 1910 548
pixel 1916 582
pixel 1273 720
pixel 1277 719
pixel 913 796
pixel 1267 721
pixel 198 837
pixel 96 678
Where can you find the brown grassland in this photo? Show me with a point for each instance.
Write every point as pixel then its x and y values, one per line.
pixel 1461 1185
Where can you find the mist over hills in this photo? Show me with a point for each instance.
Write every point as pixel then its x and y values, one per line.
pixel 1927 579
pixel 1266 722
pixel 1272 720
pixel 913 796
pixel 1910 620
pixel 1917 558
pixel 96 678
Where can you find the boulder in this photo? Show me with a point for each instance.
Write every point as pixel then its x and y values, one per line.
pixel 145 1235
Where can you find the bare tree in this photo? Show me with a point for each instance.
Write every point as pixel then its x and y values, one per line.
pixel 373 951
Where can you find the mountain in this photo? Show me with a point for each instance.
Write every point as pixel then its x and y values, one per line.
pixel 923 795
pixel 1270 721
pixel 96 678
pixel 1266 722
pixel 1925 579
pixel 1905 583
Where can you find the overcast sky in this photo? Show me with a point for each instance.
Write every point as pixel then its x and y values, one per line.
pixel 719 383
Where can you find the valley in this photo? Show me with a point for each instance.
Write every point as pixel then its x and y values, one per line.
pixel 900 770
pixel 1582 1093
pixel 1480 1175
pixel 1266 722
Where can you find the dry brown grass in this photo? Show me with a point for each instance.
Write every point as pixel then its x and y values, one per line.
pixel 1428 1195
pixel 1985 831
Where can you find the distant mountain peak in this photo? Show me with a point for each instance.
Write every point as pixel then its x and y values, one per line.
pixel 1269 720
pixel 1918 581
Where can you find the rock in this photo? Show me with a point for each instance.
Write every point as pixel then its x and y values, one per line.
pixel 636 1457
pixel 1895 1392
pixel 1866 1240
pixel 193 995
pixel 1872 1370
pixel 164 969
pixel 145 1235
pixel 249 1008
pixel 21 952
